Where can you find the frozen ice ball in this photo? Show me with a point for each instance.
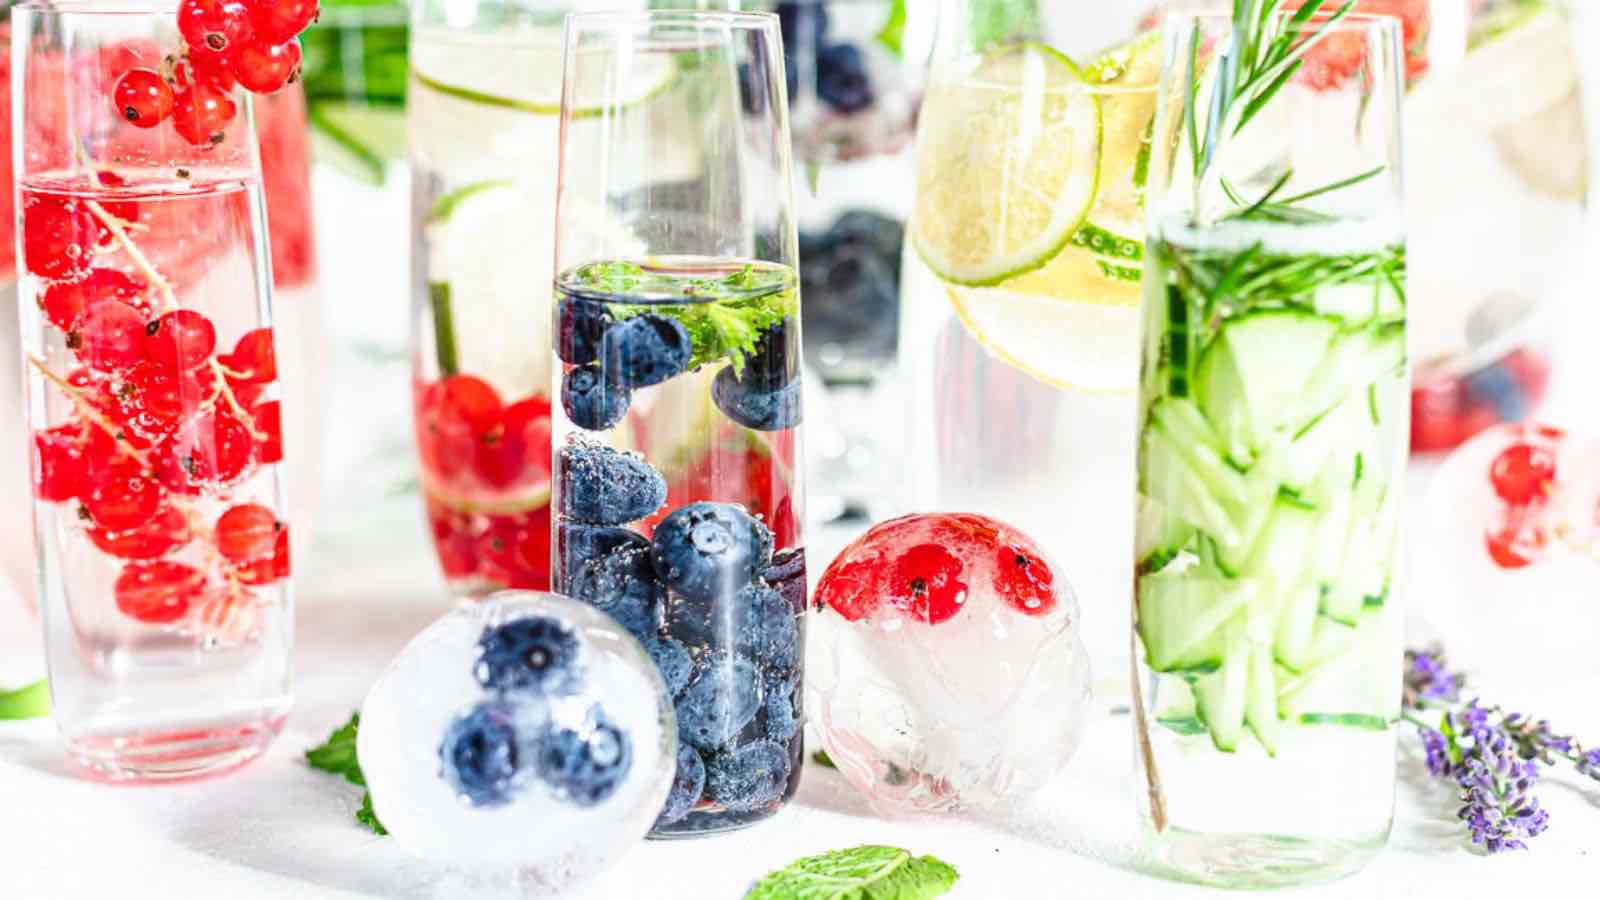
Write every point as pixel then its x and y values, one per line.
pixel 948 672
pixel 528 733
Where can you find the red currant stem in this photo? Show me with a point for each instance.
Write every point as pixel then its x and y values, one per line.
pixel 229 372
pixel 226 393
pixel 88 410
pixel 116 227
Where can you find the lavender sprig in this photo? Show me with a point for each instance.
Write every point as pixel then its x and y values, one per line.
pixel 1493 756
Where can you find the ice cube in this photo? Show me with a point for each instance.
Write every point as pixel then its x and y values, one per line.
pixel 529 733
pixel 948 672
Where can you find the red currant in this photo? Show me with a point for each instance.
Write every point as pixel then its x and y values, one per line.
pixel 64 301
pixel 207 69
pixel 214 449
pixel 109 336
pixel 168 531
pixel 1523 473
pixel 267 69
pixel 452 541
pixel 518 446
pixel 58 237
pixel 926 582
pixel 851 588
pixel 62 469
pixel 158 592
pixel 268 418
pixel 156 398
pixel 533 550
pixel 247 531
pixel 280 20
pixel 122 496
pixel 143 97
pixel 182 339
pixel 214 28
pixel 253 360
pixel 201 113
pixel 271 568
pixel 1507 549
pixel 456 414
pixel 1023 579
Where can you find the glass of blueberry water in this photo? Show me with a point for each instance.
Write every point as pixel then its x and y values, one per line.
pixel 677 487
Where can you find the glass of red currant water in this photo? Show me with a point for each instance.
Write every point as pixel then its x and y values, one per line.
pixel 676 332
pixel 145 282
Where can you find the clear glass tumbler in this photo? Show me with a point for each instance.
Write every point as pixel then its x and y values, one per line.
pixel 676 361
pixel 1274 417
pixel 145 293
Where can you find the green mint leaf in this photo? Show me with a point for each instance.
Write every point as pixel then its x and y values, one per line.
pixel 893 34
pixel 860 873
pixel 337 755
pixel 822 759
pixel 30 702
pixel 367 817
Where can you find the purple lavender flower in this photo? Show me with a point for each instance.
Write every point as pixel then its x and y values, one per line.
pixel 1589 764
pixel 1437 747
pixel 1428 679
pixel 1495 785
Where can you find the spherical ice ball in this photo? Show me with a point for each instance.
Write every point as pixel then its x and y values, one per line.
pixel 528 733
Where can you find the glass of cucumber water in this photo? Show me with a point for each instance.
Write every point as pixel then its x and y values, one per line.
pixel 1272 445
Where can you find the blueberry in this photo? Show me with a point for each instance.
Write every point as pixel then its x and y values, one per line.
pixel 590 402
pixel 776 360
pixel 750 777
pixel 672 661
pixel 852 300
pixel 687 786
pixel 538 653
pixel 479 756
pixel 842 80
pixel 622 584
pixel 603 486
pixel 723 697
pixel 646 350
pixel 788 574
pixel 585 766
pixel 708 550
pixel 803 24
pixel 761 410
pixel 885 236
pixel 577 544
pixel 692 621
pixel 580 324
pixel 782 723
pixel 817 243
pixel 1497 388
pixel 764 627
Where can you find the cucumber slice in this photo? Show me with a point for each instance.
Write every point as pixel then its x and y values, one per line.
pixel 1181 618
pixel 1360 679
pixel 1170 481
pixel 1220 696
pixel 1162 536
pixel 1190 433
pixel 1354 361
pixel 1261 699
pixel 1297 627
pixel 1259 366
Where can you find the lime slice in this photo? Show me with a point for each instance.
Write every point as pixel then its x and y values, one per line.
pixel 1084 347
pixel 358 139
pixel 1007 166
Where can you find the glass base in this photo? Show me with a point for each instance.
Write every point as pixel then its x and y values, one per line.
pixel 1252 861
pixel 699 825
pixel 167 756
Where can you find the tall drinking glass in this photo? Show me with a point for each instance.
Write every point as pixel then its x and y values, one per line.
pixel 1272 446
pixel 677 364
pixel 145 290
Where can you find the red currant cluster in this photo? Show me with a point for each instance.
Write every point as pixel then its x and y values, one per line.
pixel 252 43
pixel 486 474
pixel 1523 477
pixel 162 425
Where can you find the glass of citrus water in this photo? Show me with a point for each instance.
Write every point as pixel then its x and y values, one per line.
pixel 1019 319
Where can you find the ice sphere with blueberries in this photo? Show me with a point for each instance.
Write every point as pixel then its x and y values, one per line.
pixel 948 672
pixel 1511 531
pixel 528 734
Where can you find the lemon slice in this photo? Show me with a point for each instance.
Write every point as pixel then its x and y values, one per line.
pixel 1007 166
pixel 1083 347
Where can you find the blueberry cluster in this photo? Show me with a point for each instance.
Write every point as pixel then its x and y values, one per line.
pixel 613 358
pixel 840 67
pixel 715 610
pixel 493 751
pixel 850 277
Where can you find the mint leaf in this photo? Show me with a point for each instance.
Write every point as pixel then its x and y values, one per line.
pixel 893 35
pixel 367 817
pixel 337 755
pixel 822 759
pixel 30 702
pixel 860 873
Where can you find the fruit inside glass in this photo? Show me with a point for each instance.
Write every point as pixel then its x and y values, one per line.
pixel 676 354
pixel 154 398
pixel 1020 305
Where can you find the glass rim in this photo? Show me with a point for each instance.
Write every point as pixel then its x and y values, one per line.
pixel 739 19
pixel 1356 22
pixel 63 8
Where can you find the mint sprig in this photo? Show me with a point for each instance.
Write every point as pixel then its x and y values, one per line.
pixel 860 873
pixel 337 756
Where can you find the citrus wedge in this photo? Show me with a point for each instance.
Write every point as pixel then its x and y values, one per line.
pixel 1007 166
pixel 1084 347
